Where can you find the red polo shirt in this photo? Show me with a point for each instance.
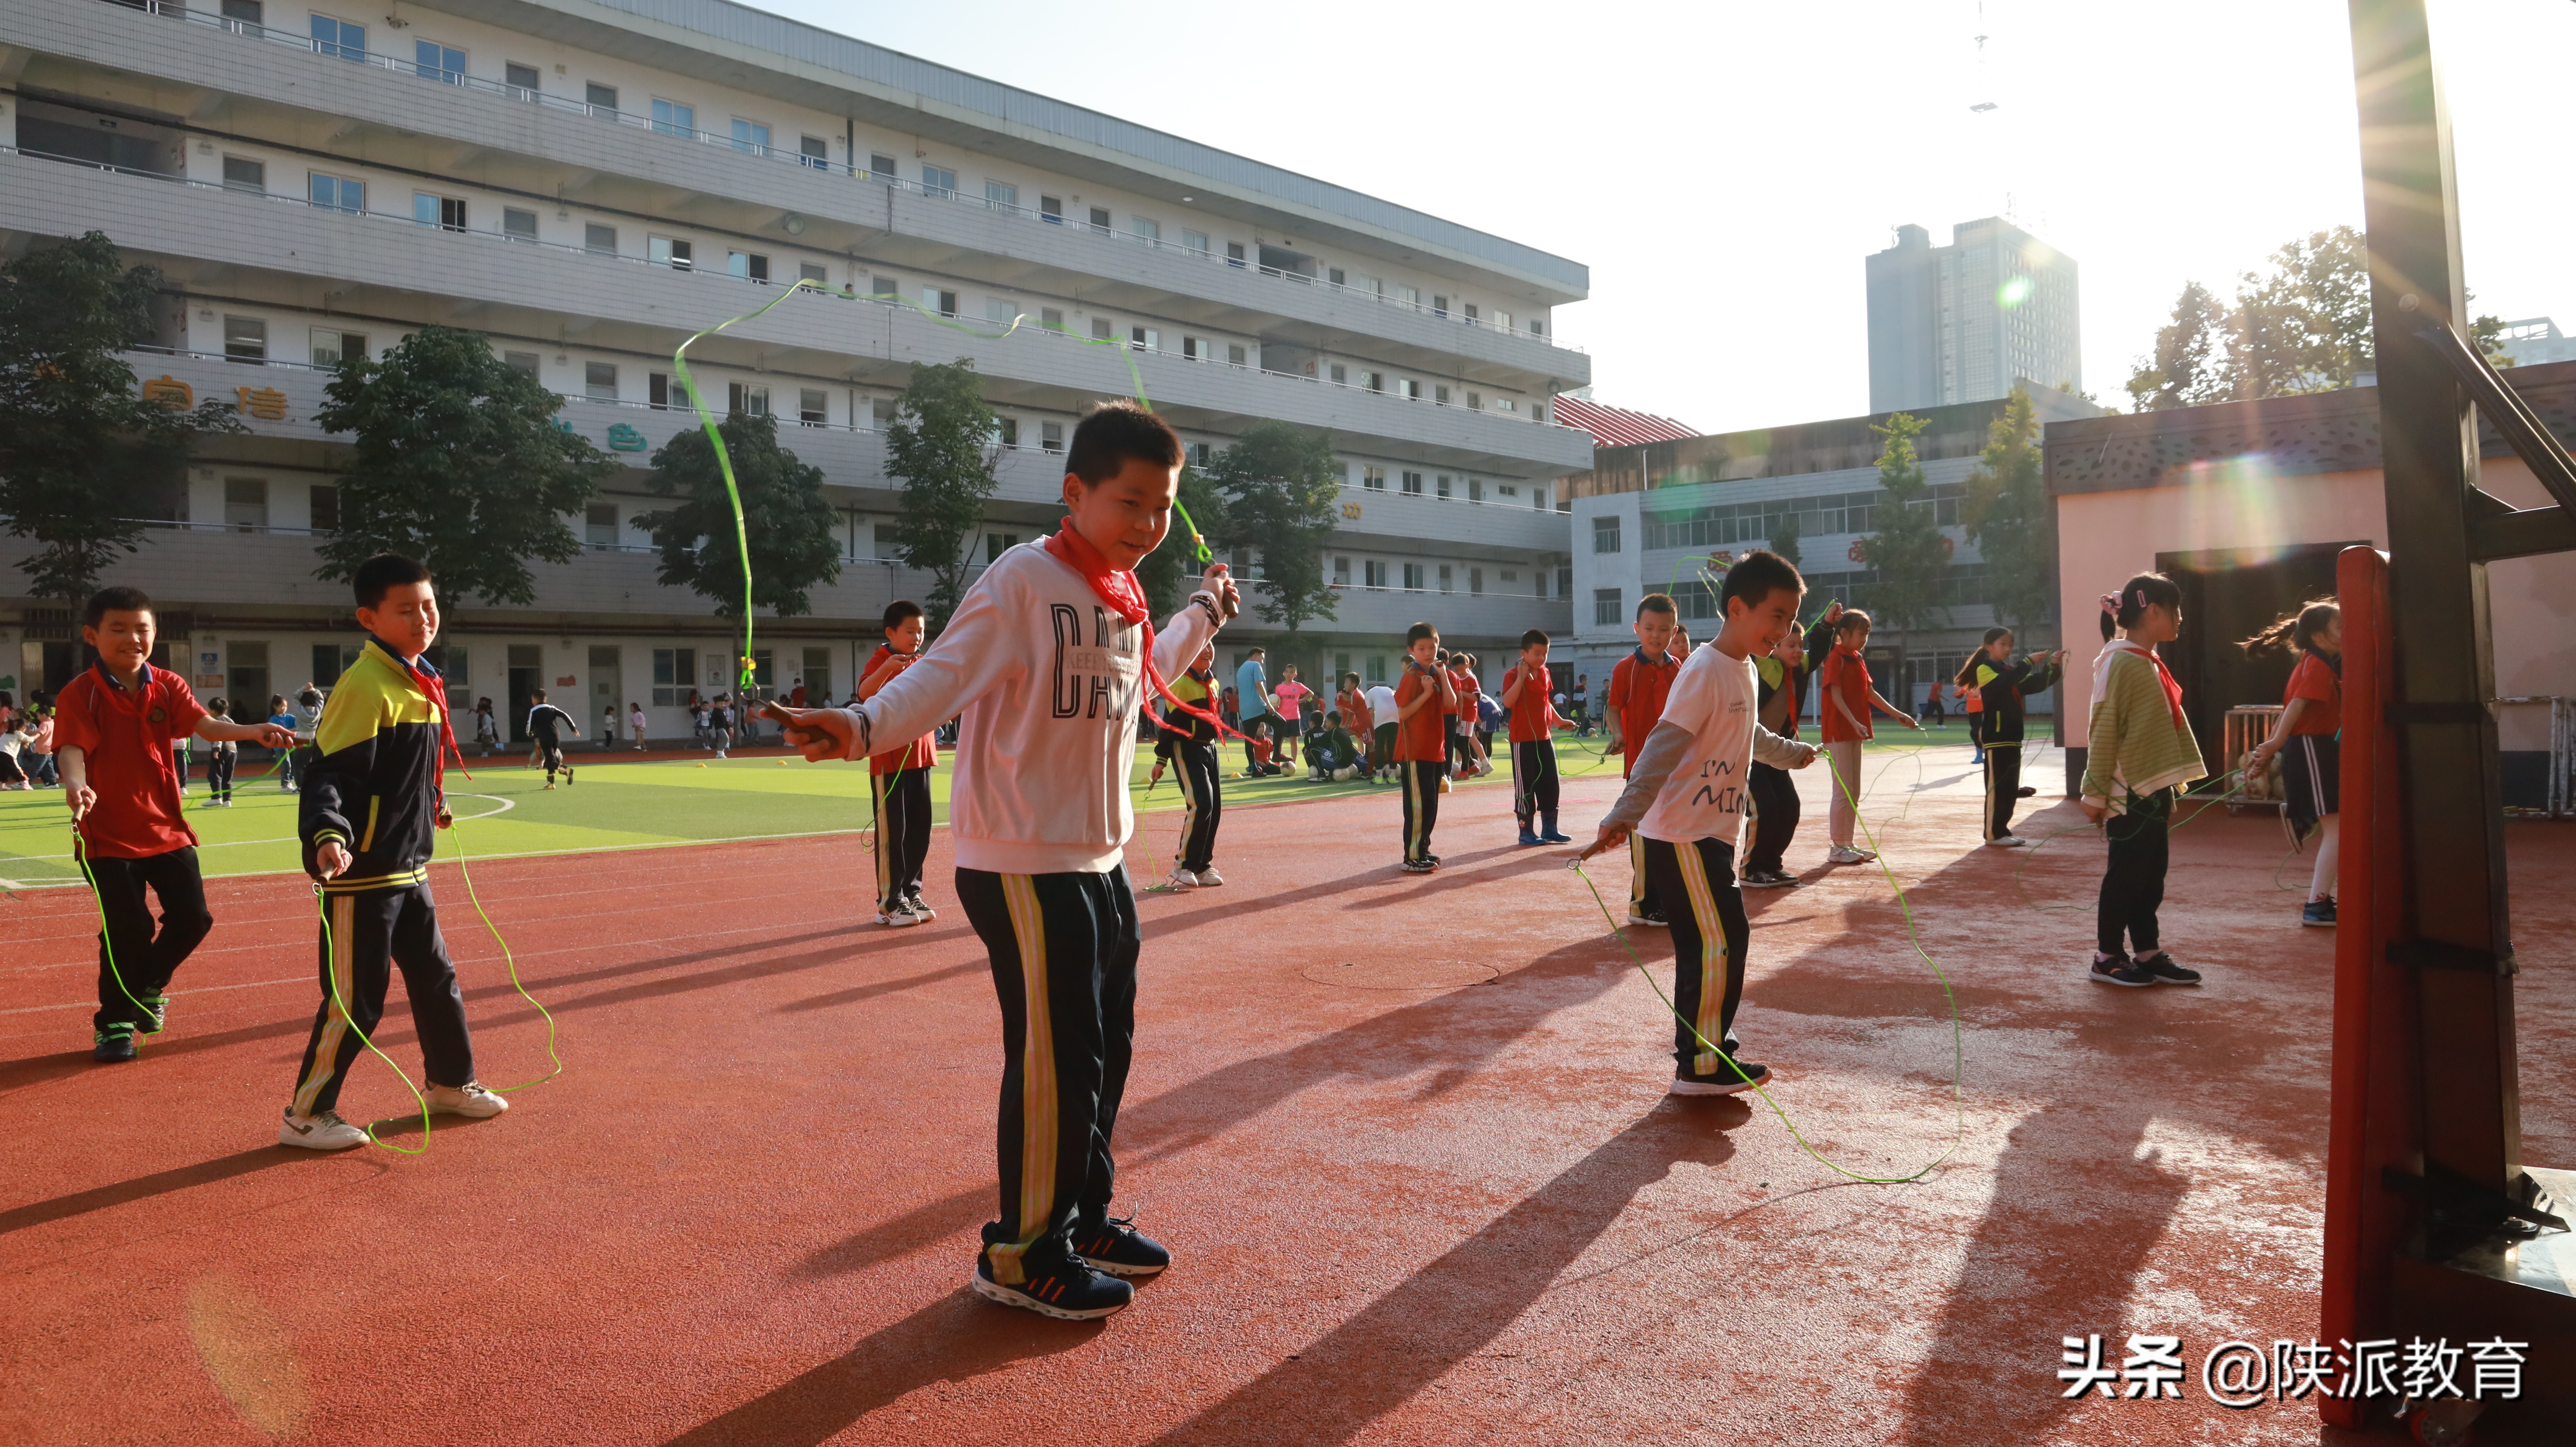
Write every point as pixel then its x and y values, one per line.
pixel 921 753
pixel 1638 687
pixel 125 734
pixel 1529 711
pixel 1845 676
pixel 1419 738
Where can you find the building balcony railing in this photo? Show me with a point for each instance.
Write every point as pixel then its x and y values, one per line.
pixel 763 151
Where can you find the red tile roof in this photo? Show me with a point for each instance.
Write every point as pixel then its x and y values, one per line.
pixel 1619 427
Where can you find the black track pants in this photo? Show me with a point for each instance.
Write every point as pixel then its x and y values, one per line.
pixel 2133 881
pixel 369 936
pixel 903 832
pixel 1534 782
pixel 1706 911
pixel 1198 770
pixel 1775 821
pixel 1421 778
pixel 2003 787
pixel 146 960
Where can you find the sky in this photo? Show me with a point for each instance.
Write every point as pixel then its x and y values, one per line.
pixel 1724 168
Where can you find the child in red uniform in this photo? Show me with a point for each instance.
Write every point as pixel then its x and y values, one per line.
pixel 1526 690
pixel 2306 740
pixel 899 780
pixel 1635 704
pixel 114 725
pixel 1425 700
pixel 1843 706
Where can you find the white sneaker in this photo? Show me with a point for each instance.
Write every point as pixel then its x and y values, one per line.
pixel 1845 854
pixel 920 908
pixel 324 1132
pixel 1182 879
pixel 469 1100
pixel 2007 841
pixel 1210 879
pixel 899 917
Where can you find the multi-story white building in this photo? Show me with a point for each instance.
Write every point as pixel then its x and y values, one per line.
pixel 590 181
pixel 1963 322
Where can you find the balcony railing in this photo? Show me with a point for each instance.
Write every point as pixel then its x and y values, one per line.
pixel 770 152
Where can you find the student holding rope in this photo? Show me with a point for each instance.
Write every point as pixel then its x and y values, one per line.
pixel 1686 796
pixel 1639 685
pixel 1782 676
pixel 2307 741
pixel 1425 701
pixel 372 806
pixel 899 780
pixel 1050 655
pixel 114 726
pixel 1845 698
pixel 1190 742
pixel 2000 685
pixel 1526 689
pixel 2139 755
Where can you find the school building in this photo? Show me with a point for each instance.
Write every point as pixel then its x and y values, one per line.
pixel 2246 504
pixel 588 182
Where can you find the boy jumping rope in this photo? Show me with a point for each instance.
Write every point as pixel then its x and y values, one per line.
pixel 371 809
pixel 1048 658
pixel 114 725
pixel 1192 745
pixel 1686 795
pixel 899 780
pixel 1639 684
pixel 1534 783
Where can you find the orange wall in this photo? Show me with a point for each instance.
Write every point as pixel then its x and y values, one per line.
pixel 2103 537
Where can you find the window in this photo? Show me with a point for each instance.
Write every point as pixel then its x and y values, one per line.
pixel 881 411
pixel 599 97
pixel 1469 311
pixel 1100 219
pixel 1369 285
pixel 1440 395
pixel 670 251
pixel 599 523
pixel 884 286
pixel 332 348
pixel 1236 356
pixel 1506 489
pixel 746 398
pixel 598 239
pixel 674 671
pixel 1538 582
pixel 1373 478
pixel 524 361
pixel 1341 572
pixel 521 80
pixel 1234 253
pixel 1565 581
pixel 887 540
pixel 241 173
pixel 1475 489
pixel 1336 276
pixel 1151 231
pixel 1409 297
pixel 1006 431
pixel 1193 349
pixel 674 119
pixel 1002 194
pixel 1440 485
pixel 1051 210
pixel 1413 577
pixel 996 544
pixel 1440 306
pixel 1475 402
pixel 812 407
pixel 1200 454
pixel 518 225
pixel 1538 412
pixel 1413 483
pixel 881 167
pixel 1376 668
pixel 1502 321
pixel 1372 573
pixel 1538 494
pixel 1051 437
pixel 339 38
pixel 750 136
pixel 664 392
pixel 434 61
pixel 1195 241
pixel 939 181
pixel 1051 318
pixel 326 507
pixel 1605 534
pixel 814 151
pixel 248 12
pixel 1001 310
pixel 599 380
pixel 942 302
pixel 1147 338
pixel 1605 607
pixel 1374 381
pixel 444 212
pixel 336 193
pixel 246 504
pixel 748 265
pixel 1445 585
pixel 1409 389
pixel 812 271
pixel 1475 580
pixel 245 339
pixel 1340 375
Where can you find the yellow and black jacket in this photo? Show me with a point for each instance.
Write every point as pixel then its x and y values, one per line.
pixel 373 784
pixel 2002 686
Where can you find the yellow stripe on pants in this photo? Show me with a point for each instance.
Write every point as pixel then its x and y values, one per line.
pixel 1636 870
pixel 1414 828
pixel 885 849
pixel 1712 955
pixel 336 1024
pixel 1189 810
pixel 1037 1079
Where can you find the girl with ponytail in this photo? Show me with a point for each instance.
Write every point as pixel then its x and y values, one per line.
pixel 2140 754
pixel 2306 740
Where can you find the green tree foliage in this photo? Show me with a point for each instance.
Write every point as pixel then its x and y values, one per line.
pixel 941 444
pixel 2302 326
pixel 784 515
pixel 1784 537
pixel 1171 571
pixel 458 461
pixel 82 456
pixel 1905 552
pixel 1282 487
pixel 2007 516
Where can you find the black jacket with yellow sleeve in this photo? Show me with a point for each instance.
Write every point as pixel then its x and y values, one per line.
pixel 2002 687
pixel 374 784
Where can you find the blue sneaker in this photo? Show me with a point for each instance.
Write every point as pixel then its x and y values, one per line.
pixel 1554 836
pixel 2318 912
pixel 1530 841
pixel 1068 1289
pixel 1114 1246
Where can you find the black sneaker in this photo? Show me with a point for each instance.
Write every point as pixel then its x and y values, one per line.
pixel 2025 792
pixel 1724 1080
pixel 2121 970
pixel 156 1013
pixel 1113 1246
pixel 113 1044
pixel 1067 1289
pixel 567 776
pixel 2162 969
pixel 1418 866
pixel 2318 912
pixel 1769 879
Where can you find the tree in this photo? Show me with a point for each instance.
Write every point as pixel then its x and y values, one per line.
pixel 1171 571
pixel 788 523
pixel 1905 552
pixel 457 461
pixel 2007 516
pixel 942 444
pixel 83 456
pixel 2190 362
pixel 1784 536
pixel 1283 491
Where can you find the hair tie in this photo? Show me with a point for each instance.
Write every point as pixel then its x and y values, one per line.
pixel 2111 604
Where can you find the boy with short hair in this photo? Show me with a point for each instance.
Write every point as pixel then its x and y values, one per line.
pixel 546 724
pixel 1686 796
pixel 1639 684
pixel 1782 676
pixel 899 779
pixel 1252 703
pixel 1526 687
pixel 371 809
pixel 1424 702
pixel 1333 755
pixel 1048 657
pixel 1193 749
pixel 113 730
pixel 1844 700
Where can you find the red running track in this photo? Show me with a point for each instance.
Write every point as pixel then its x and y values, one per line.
pixel 1407 1138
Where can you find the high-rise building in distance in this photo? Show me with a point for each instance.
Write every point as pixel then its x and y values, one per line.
pixel 1963 322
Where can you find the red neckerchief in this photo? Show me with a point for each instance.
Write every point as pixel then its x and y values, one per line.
pixel 1125 596
pixel 434 684
pixel 2173 690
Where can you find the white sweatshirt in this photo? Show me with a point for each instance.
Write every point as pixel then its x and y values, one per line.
pixel 1048 680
